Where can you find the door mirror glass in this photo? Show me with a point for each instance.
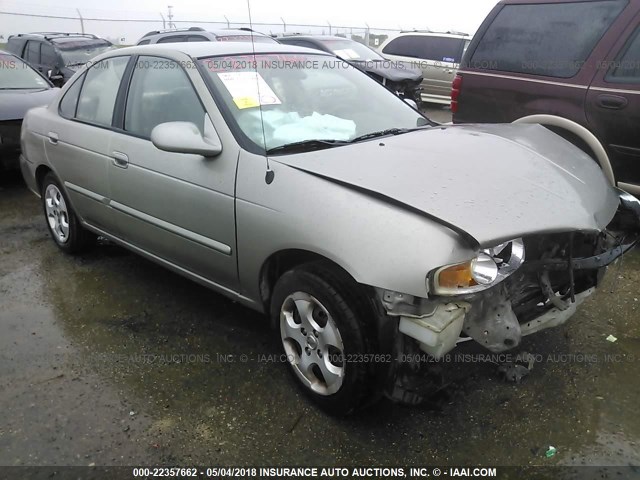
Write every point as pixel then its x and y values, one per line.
pixel 411 103
pixel 185 137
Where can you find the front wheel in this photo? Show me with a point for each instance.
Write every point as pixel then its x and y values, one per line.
pixel 326 335
pixel 63 224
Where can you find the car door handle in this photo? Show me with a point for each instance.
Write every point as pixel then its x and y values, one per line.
pixel 613 102
pixel 120 160
pixel 53 138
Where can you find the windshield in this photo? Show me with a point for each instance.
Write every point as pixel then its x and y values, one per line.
pixel 79 52
pixel 304 97
pixel 17 75
pixel 350 50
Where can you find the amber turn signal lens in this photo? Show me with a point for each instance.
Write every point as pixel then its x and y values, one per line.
pixel 456 276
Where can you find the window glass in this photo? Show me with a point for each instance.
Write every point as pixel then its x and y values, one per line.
pixel 144 42
pixel 442 49
pixel 173 39
pixel 15 74
pixel 197 38
pixel 100 90
pixel 406 46
pixel 160 92
pixel 48 55
pixel 439 49
pixel 626 68
pixel 551 39
pixel 278 99
pixel 76 51
pixel 350 50
pixel 70 100
pixel 33 53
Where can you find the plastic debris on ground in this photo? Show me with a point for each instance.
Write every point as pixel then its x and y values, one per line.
pixel 551 451
pixel 515 371
pixel 611 339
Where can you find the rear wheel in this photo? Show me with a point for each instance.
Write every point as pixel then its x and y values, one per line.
pixel 323 330
pixel 63 224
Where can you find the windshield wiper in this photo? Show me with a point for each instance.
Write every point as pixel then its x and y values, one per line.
pixel 388 131
pixel 306 146
pixel 381 133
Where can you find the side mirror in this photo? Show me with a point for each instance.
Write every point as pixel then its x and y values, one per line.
pixel 56 79
pixel 411 103
pixel 184 137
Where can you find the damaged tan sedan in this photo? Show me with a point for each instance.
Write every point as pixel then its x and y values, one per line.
pixel 297 185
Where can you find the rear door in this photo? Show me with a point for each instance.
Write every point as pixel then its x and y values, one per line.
pixel 79 137
pixel 613 106
pixel 179 207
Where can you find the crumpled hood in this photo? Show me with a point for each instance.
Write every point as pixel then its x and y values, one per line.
pixel 494 182
pixel 391 70
pixel 15 103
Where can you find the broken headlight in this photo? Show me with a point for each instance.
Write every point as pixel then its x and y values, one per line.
pixel 489 267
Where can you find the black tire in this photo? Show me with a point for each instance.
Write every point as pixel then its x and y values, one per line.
pixel 348 308
pixel 77 239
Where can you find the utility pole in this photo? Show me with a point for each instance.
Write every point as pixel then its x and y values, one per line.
pixel 81 20
pixel 170 16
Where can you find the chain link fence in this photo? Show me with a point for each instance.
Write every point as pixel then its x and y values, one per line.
pixel 126 28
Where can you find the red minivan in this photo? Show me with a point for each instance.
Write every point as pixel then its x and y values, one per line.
pixel 571 65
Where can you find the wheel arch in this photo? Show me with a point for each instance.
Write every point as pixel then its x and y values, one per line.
pixel 284 260
pixel 41 172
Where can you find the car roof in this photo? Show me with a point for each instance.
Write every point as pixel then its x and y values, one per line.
pixel 221 32
pixel 435 34
pixel 56 35
pixel 218 32
pixel 208 49
pixel 314 37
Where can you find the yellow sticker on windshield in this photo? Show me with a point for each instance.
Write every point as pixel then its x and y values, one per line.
pixel 246 102
pixel 248 89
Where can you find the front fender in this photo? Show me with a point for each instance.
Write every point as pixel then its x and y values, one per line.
pixel 376 242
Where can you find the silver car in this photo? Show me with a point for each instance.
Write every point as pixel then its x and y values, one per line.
pixel 294 183
pixel 438 55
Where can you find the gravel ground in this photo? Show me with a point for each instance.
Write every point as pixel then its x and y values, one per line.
pixel 108 359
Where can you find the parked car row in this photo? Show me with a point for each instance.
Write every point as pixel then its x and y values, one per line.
pixel 57 55
pixel 368 235
pixel 422 67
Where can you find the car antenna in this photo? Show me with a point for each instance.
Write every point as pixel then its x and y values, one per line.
pixel 270 174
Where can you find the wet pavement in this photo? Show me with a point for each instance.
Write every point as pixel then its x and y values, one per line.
pixel 108 359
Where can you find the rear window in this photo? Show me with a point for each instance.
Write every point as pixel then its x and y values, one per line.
pixel 439 49
pixel 552 39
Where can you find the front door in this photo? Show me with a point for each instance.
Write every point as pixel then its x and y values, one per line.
pixel 179 207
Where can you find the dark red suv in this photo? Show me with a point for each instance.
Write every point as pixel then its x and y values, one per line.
pixel 573 66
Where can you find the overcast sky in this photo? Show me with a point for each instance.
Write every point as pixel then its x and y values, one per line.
pixel 461 15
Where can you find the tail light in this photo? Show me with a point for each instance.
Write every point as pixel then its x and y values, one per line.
pixel 456 86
